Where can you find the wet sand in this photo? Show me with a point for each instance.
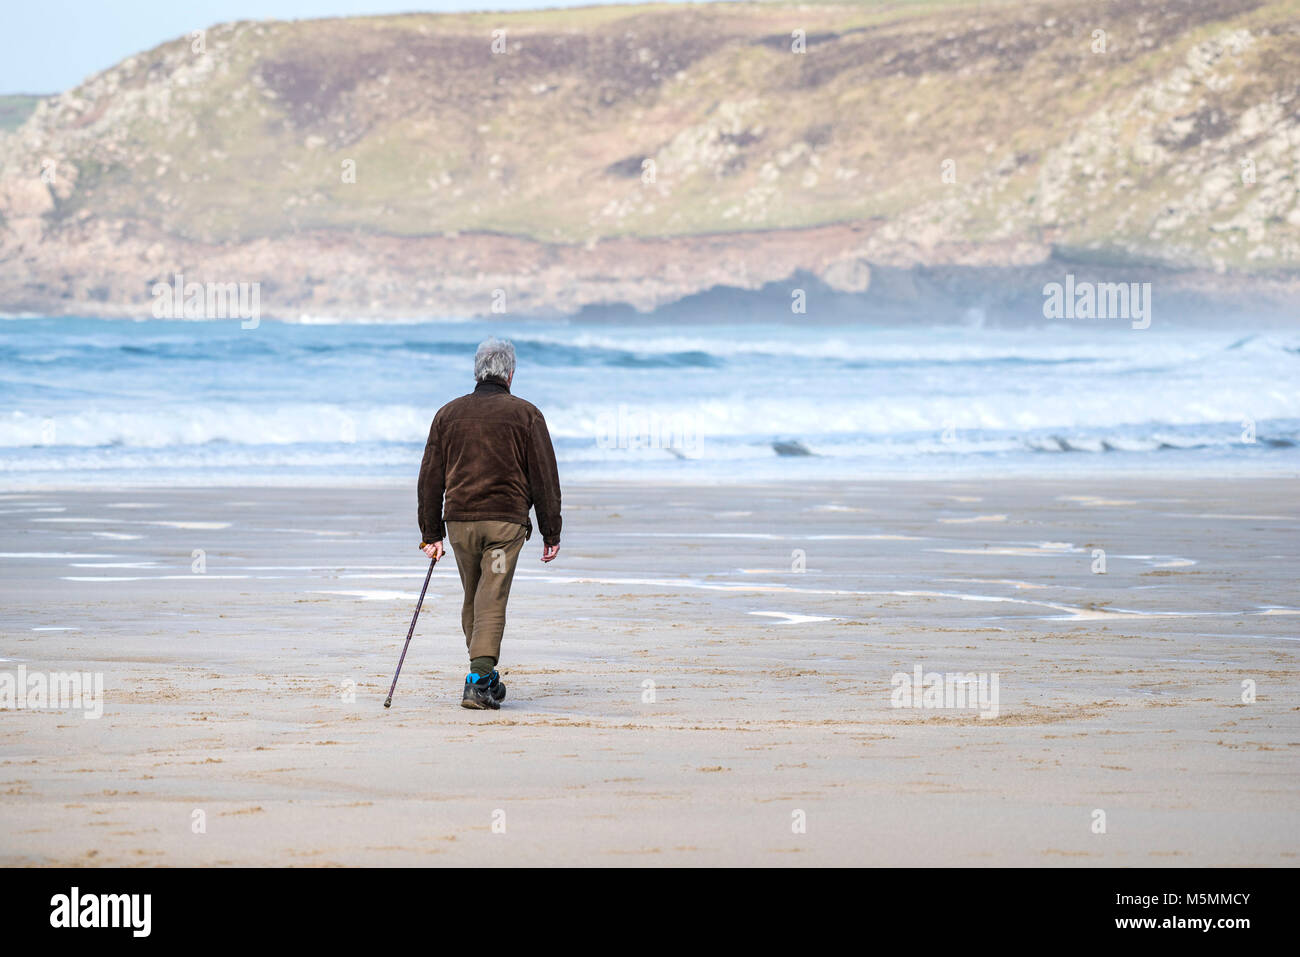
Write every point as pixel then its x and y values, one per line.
pixel 770 621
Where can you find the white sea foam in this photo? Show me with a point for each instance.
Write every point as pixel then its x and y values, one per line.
pixel 54 555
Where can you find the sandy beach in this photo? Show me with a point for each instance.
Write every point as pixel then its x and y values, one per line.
pixel 703 671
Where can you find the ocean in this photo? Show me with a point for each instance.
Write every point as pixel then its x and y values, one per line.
pixel 88 402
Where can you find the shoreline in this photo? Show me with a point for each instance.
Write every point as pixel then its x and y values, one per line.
pixel 407 482
pixel 573 283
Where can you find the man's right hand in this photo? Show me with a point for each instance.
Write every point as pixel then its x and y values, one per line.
pixel 549 552
pixel 434 550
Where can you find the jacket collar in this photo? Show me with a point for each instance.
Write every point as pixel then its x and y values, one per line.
pixel 491 385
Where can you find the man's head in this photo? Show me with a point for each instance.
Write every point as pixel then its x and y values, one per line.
pixel 495 359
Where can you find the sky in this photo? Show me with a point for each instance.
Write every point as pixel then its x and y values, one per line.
pixel 47 46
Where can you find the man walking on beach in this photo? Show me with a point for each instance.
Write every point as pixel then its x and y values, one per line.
pixel 490 454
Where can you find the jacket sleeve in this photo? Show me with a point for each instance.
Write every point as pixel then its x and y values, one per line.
pixel 544 481
pixel 430 487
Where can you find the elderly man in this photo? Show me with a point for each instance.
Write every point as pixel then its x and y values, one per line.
pixel 490 455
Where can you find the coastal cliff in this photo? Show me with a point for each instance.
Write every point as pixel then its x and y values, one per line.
pixel 606 157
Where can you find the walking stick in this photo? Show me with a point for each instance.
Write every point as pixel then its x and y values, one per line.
pixel 388 702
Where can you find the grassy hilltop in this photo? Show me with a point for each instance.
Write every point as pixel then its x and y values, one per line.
pixel 15 108
pixel 1178 145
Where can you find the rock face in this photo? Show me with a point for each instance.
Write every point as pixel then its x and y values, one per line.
pixel 549 162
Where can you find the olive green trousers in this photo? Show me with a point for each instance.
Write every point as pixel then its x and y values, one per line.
pixel 486 555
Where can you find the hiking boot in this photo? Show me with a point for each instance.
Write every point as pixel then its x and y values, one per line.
pixel 481 692
pixel 497 686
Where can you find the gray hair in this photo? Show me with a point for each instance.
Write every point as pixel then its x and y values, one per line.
pixel 495 359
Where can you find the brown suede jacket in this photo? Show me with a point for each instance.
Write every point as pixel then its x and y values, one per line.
pixel 491 455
